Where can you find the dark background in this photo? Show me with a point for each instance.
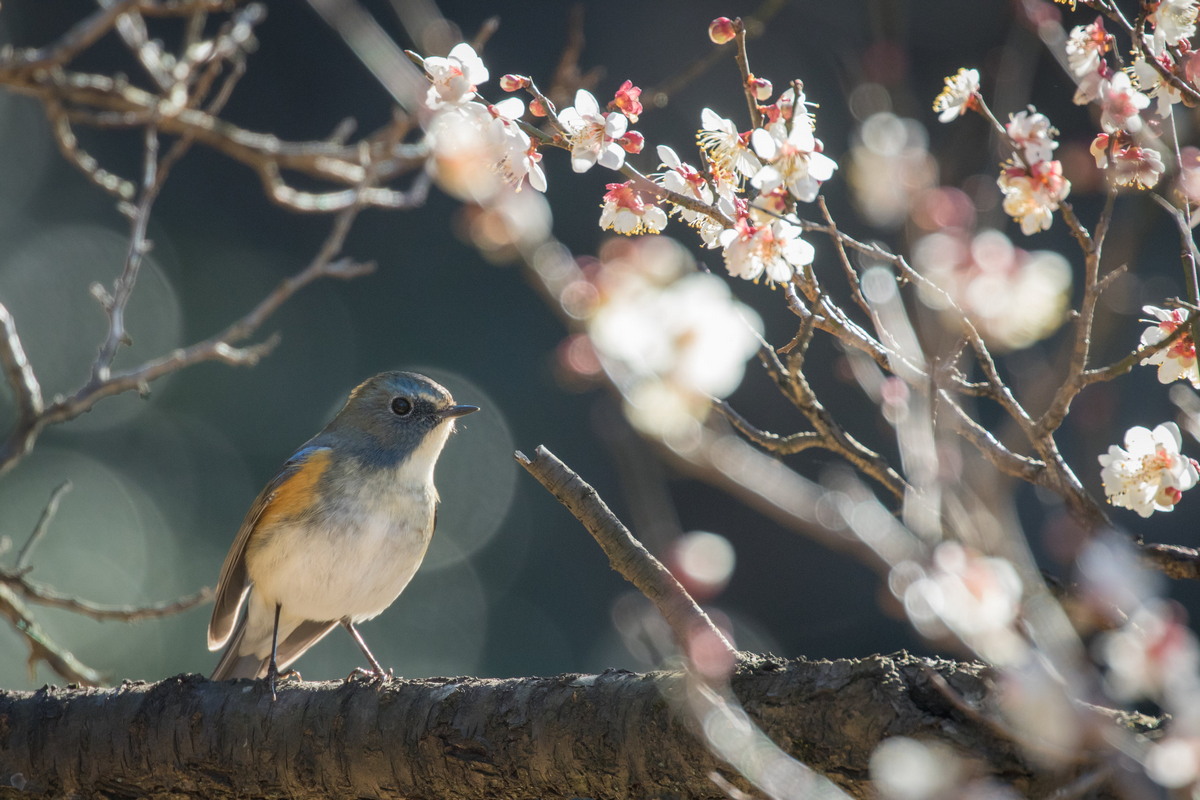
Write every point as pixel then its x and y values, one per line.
pixel 513 585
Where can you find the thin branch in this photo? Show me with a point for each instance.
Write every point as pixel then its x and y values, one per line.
pixel 625 553
pixel 41 646
pixel 45 596
pixel 18 372
pixel 834 437
pixel 771 442
pixel 743 62
pixel 80 37
pixel 220 347
pixel 43 525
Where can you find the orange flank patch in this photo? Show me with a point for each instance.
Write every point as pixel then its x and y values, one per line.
pixel 297 492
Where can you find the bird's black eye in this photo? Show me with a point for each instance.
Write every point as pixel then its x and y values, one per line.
pixel 401 406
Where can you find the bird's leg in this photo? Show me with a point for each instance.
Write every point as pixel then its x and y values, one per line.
pixel 377 671
pixel 272 668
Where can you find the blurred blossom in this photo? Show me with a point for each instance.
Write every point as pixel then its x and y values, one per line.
pixel 1188 403
pixel 908 769
pixel 1149 474
pixel 669 337
pixel 513 222
pixel 1174 762
pixel 1177 362
pixel 703 562
pixel 1014 297
pixel 478 150
pixel 1153 656
pixel 973 596
pixel 890 167
pixel 1112 578
pixel 1034 700
pixel 1189 174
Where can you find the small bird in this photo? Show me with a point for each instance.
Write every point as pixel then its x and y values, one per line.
pixel 338 533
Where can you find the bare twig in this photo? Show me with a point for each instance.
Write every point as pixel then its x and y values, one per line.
pixel 43 524
pixel 743 62
pixel 17 371
pixel 771 442
pixel 45 596
pixel 220 347
pixel 625 553
pixel 41 646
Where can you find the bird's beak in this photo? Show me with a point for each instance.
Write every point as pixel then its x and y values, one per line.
pixel 457 411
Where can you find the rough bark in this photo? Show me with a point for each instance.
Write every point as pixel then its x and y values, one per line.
pixel 613 735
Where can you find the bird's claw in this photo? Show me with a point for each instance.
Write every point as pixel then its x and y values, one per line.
pixel 274 676
pixel 375 677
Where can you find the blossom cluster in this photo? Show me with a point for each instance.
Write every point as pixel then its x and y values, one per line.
pixel 477 149
pixel 1130 158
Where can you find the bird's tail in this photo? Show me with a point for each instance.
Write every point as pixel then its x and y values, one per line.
pixel 235 664
pixel 240 660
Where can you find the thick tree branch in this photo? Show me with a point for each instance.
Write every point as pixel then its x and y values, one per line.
pixel 613 735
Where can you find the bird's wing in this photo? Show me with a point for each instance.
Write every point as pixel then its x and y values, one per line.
pixel 305 635
pixel 290 491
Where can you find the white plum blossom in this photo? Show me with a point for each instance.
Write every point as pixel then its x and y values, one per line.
pixel 725 147
pixel 1131 164
pixel 454 77
pixel 1032 135
pixel 791 159
pixel 684 179
pixel 958 94
pixel 1151 82
pixel 1177 362
pixel 1086 46
pixel 628 211
pixel 1121 104
pixel 1173 20
pixel 1032 194
pixel 593 134
pixel 1149 474
pixel 774 248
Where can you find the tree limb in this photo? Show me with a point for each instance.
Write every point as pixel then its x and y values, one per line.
pixel 613 735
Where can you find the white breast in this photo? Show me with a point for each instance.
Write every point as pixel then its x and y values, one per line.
pixel 362 555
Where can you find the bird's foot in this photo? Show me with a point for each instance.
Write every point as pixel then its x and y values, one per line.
pixel 373 677
pixel 274 677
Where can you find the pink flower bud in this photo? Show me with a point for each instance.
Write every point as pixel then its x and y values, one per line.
pixel 722 30
pixel 761 87
pixel 537 107
pixel 512 83
pixel 633 142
